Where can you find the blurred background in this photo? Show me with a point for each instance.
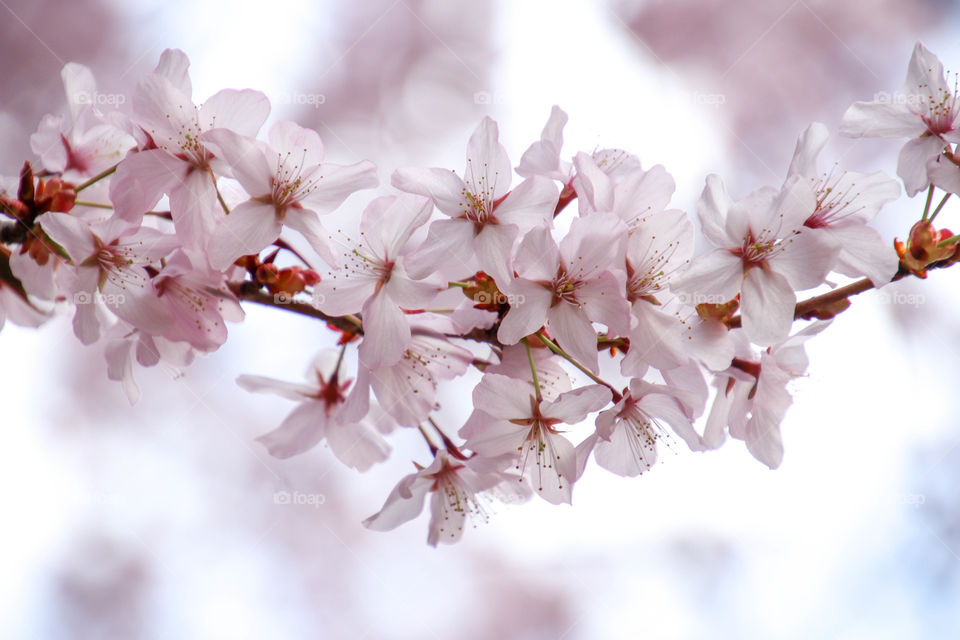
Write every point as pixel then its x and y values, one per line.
pixel 160 520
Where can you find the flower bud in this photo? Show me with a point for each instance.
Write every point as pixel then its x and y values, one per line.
pixel 921 250
pixel 267 274
pixel 290 280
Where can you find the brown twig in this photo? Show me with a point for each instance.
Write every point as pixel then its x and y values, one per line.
pixel 251 292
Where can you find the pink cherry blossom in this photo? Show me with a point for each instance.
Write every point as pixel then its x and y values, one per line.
pixel 88 143
pixel 459 489
pixel 657 248
pixel 486 217
pixel 289 183
pixel 763 254
pixel 752 396
pixel 198 300
pixel 175 160
pixel 542 158
pixel 126 345
pixel 569 286
pixel 926 111
pixel 627 434
pixel 846 202
pixel 374 279
pixel 109 261
pixel 515 363
pixel 516 423
pixel 327 412
pixel 609 183
pixel 407 390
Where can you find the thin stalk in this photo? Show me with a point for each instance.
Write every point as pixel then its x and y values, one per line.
pixel 563 354
pixel 533 370
pixel 97 178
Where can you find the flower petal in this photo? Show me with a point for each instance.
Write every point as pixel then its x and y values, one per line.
pixel 530 204
pixel 527 312
pixel 767 303
pixel 292 141
pixel 356 444
pixel 337 183
pixel 489 172
pixel 809 146
pixel 241 110
pixel 912 162
pixel 308 224
pixel 247 160
pixel 386 332
pixel 573 406
pixel 442 186
pixel 300 431
pixel 880 120
pixel 574 333
pixel 403 504
pixel 806 259
pixel 141 179
pixel 249 228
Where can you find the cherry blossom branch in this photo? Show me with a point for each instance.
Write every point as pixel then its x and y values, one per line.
pixel 251 292
pixel 614 237
pixel 13 233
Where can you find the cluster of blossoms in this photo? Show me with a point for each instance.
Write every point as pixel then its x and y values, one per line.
pixel 594 329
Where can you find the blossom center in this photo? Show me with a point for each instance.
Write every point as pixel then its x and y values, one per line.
pixel 477 209
pixel 756 251
pixel 564 288
pixel 290 185
pixel 331 393
pixel 833 204
pixel 939 111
